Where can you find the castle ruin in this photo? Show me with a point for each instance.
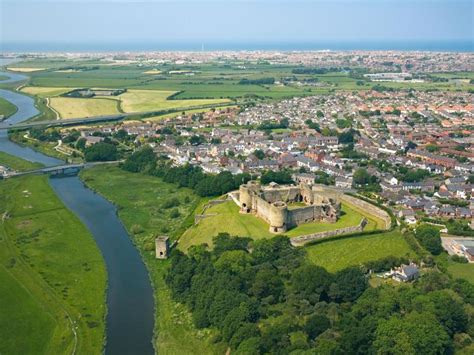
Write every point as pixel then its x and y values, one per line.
pixel 162 247
pixel 285 207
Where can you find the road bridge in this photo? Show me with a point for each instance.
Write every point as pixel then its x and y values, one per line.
pixel 104 118
pixel 64 169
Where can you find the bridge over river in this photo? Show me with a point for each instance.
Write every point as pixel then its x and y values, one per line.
pixel 64 169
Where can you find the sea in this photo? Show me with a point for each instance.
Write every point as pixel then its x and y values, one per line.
pixel 148 46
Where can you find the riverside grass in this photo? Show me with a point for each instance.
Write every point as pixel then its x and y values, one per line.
pixel 141 210
pixel 6 108
pixel 52 274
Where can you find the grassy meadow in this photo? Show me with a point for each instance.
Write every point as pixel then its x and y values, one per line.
pixel 6 108
pixel 52 275
pixel 78 107
pixel 16 163
pixel 130 101
pixel 338 254
pixel 226 218
pixel 462 271
pixel 44 92
pixel 150 100
pixel 142 210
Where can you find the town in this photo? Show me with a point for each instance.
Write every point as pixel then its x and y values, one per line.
pixel 413 151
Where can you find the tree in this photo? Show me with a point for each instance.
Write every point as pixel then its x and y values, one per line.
pixel 449 312
pixel 361 177
pixel 81 143
pixel 315 325
pixel 235 261
pixel 245 331
pixel 249 346
pixel 348 285
pixel 280 177
pixel 267 283
pixel 141 160
pixel 347 136
pixel 101 152
pixel 429 237
pixel 416 333
pixel 260 154
pixel 196 140
pixel 311 282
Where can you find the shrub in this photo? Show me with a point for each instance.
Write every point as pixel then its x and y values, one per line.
pixel 175 213
pixel 172 202
pixel 459 259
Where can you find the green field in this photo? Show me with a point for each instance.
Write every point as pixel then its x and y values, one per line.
pixel 77 107
pixel 209 81
pixel 44 91
pixel 228 219
pixel 16 163
pixel 462 271
pixel 130 101
pixel 150 100
pixel 142 212
pixel 337 254
pixel 6 108
pixel 52 275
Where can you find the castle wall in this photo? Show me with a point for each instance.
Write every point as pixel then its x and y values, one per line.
pixel 303 239
pixel 270 204
pixel 281 194
pixel 303 215
pixel 263 209
pixel 369 208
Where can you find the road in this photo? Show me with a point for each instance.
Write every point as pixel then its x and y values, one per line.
pixel 58 168
pixel 105 118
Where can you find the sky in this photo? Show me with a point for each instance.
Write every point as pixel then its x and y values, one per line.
pixel 251 21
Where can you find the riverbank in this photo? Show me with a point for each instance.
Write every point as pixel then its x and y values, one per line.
pixel 6 109
pixel 129 319
pixel 144 213
pixel 16 163
pixel 53 276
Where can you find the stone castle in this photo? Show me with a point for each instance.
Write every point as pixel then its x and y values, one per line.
pixel 285 207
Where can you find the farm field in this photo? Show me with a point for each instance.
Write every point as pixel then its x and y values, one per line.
pixel 153 72
pixel 142 212
pixel 130 101
pixel 149 100
pixel 16 163
pixel 52 274
pixel 44 92
pixel 210 81
pixel 78 107
pixel 228 219
pixel 6 108
pixel 25 69
pixel 338 254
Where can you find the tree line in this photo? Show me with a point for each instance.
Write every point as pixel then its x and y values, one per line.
pixel 263 297
pixel 146 161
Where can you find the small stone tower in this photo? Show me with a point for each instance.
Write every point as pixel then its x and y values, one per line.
pixel 162 247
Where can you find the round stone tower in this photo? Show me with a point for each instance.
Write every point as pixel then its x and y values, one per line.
pixel 278 217
pixel 246 193
pixel 245 199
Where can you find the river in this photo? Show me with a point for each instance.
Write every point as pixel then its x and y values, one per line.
pixel 130 302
